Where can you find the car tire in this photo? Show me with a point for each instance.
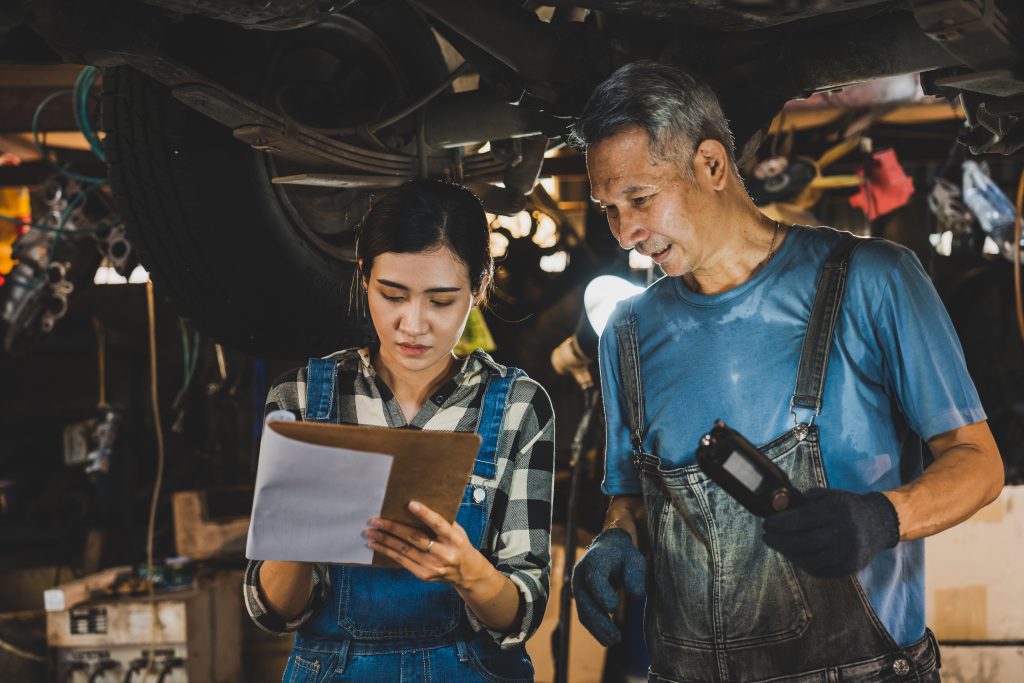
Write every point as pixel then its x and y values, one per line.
pixel 215 234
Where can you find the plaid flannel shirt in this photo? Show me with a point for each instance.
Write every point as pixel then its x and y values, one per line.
pixel 518 540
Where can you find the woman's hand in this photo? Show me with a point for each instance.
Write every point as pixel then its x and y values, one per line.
pixel 448 556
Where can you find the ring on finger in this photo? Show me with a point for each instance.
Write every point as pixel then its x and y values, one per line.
pixel 427 549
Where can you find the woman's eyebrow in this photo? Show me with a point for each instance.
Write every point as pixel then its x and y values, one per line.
pixel 432 290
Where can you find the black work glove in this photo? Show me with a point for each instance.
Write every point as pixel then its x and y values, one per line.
pixel 834 533
pixel 612 560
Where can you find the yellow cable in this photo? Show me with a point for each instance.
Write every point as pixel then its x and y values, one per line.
pixel 1017 229
pixel 222 367
pixel 159 469
pixel 101 360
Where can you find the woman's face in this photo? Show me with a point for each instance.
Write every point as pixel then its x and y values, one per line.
pixel 419 304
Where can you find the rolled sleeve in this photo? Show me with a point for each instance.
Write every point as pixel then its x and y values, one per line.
pixel 533 591
pixel 267 619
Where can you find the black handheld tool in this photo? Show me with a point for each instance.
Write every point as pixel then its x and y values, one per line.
pixel 744 472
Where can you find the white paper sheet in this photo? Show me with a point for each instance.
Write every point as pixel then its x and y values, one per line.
pixel 313 502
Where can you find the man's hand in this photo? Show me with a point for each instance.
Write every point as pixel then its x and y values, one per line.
pixel 834 533
pixel 612 560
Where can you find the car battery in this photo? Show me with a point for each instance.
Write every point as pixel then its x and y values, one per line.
pixel 195 634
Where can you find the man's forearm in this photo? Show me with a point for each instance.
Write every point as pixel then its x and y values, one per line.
pixel 967 475
pixel 625 512
pixel 286 586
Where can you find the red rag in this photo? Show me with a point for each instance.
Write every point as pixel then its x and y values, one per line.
pixel 887 188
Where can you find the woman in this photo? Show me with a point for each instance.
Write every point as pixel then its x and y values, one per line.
pixel 469 594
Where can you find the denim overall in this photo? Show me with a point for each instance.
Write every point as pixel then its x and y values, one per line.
pixel 722 605
pixel 387 625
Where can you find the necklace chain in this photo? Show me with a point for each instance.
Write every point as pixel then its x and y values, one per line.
pixel 771 247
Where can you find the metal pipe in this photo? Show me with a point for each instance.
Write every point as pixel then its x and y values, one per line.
pixel 414 106
pixel 475 116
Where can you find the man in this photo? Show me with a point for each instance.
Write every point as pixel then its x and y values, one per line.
pixel 751 325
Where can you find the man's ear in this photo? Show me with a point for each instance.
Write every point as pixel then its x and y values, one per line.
pixel 711 164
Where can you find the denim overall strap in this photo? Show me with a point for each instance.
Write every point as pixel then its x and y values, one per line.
pixel 629 369
pixel 477 500
pixel 321 390
pixel 492 419
pixel 820 335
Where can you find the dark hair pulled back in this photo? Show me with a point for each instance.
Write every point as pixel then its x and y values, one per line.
pixel 424 215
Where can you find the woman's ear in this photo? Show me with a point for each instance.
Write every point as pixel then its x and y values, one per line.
pixel 362 275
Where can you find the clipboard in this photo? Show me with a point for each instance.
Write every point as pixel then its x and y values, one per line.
pixel 432 467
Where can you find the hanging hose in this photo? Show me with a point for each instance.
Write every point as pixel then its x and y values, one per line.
pixel 418 104
pixel 190 352
pixel 18 652
pixel 101 360
pixel 154 394
pixel 83 84
pixel 1017 230
pixel 45 151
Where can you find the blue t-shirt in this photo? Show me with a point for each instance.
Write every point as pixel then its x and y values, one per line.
pixel 896 371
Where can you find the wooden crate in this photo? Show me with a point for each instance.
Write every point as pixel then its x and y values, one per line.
pixel 201 536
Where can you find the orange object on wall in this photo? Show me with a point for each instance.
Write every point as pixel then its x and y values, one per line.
pixel 887 188
pixel 14 203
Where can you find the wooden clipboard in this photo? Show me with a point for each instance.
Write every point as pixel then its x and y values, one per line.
pixel 432 467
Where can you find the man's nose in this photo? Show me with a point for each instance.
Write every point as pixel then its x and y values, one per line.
pixel 630 231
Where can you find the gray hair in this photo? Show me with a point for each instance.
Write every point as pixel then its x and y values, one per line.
pixel 678 111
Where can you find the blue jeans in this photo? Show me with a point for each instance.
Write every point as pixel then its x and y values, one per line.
pixel 459 662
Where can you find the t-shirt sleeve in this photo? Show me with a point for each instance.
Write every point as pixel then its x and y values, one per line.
pixel 620 475
pixel 923 360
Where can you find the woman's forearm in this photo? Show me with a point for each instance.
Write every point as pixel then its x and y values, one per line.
pixel 492 596
pixel 286 587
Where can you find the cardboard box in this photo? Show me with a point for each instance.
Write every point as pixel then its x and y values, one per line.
pixel 975 594
pixel 973 574
pixel 586 655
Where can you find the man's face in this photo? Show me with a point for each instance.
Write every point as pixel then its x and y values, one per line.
pixel 651 206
